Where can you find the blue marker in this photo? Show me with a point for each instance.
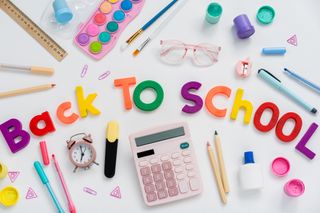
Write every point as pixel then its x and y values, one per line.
pixel 274 50
pixel 276 83
pixel 303 80
pixel 45 181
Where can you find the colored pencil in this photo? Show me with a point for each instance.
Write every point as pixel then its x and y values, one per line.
pixel 26 90
pixel 217 175
pixel 148 24
pixel 222 167
pixel 158 30
pixel 31 69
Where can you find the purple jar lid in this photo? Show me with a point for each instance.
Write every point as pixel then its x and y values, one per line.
pixel 83 39
pixel 243 26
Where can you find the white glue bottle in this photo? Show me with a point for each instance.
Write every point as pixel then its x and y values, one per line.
pixel 250 173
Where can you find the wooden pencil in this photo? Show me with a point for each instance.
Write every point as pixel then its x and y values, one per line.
pixel 222 167
pixel 217 175
pixel 26 90
pixel 32 69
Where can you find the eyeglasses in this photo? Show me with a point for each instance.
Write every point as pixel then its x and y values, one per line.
pixel 174 52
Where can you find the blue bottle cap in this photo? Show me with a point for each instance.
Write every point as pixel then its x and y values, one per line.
pixel 62 12
pixel 248 157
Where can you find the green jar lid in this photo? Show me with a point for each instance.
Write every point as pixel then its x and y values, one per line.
pixel 95 47
pixel 214 12
pixel 265 14
pixel 112 26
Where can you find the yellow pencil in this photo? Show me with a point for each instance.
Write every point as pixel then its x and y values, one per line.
pixel 222 167
pixel 216 174
pixel 26 90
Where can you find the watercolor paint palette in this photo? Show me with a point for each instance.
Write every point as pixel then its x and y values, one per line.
pixel 100 34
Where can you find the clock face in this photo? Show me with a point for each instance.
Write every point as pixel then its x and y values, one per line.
pixel 82 154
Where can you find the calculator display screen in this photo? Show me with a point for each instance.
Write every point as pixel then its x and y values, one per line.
pixel 160 136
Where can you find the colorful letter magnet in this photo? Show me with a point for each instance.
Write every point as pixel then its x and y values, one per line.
pixel 111 149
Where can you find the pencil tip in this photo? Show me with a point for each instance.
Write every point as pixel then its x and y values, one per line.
pixel 215 132
pixel 53 85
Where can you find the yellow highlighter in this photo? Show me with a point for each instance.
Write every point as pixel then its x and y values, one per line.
pixel 111 149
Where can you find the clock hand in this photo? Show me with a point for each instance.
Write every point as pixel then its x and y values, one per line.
pixel 82 154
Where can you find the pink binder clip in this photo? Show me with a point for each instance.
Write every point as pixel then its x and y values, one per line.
pixel 243 68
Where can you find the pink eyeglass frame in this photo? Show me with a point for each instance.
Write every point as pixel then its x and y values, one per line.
pixel 211 50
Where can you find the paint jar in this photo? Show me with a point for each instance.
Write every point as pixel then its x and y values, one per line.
pixel 3 170
pixel 243 26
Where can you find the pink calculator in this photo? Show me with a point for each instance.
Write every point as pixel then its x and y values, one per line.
pixel 100 34
pixel 166 164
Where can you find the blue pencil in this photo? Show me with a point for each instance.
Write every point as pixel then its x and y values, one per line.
pixel 148 24
pixel 303 80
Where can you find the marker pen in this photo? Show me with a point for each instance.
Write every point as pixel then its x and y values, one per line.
pixel 111 149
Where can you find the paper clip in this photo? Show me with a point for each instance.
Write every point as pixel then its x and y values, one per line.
pixel 89 191
pixel 84 70
pixel 104 75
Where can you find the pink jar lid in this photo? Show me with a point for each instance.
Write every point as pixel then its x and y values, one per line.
pixel 294 188
pixel 280 166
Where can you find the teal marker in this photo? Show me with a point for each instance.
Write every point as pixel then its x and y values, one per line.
pixel 45 181
pixel 276 83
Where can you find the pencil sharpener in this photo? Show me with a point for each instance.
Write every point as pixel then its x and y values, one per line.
pixel 243 68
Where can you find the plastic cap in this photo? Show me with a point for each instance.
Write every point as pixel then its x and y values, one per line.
pixel 265 14
pixel 280 166
pixel 294 188
pixel 62 11
pixel 40 172
pixel 243 26
pixel 248 157
pixel 9 196
pixel 214 12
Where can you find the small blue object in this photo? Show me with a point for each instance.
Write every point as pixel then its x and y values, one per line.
pixel 274 50
pixel 118 15
pixel 62 11
pixel 104 37
pixel 126 5
pixel 248 157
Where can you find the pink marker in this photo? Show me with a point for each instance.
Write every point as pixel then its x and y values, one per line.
pixel 72 208
pixel 44 153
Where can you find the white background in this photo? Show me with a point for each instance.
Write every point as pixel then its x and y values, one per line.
pixel 292 17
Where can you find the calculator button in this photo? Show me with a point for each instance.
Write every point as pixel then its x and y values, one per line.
pixel 175 155
pixel 187 159
pixel 151 196
pixel 157 177
pixel 156 168
pixel 173 191
pixel 167 165
pixel 183 187
pixel 149 188
pixel 143 163
pixel 181 176
pixel 186 152
pixel 147 180
pixel 184 145
pixel 154 160
pixel 171 183
pixel 145 171
pixel 194 184
pixel 168 174
pixel 178 169
pixel 162 194
pixel 165 158
pixel 160 186
pixel 191 174
pixel 177 162
pixel 189 167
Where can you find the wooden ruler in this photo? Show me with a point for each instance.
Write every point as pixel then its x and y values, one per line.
pixel 34 30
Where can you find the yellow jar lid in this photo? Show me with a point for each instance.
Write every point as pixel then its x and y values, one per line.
pixel 9 196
